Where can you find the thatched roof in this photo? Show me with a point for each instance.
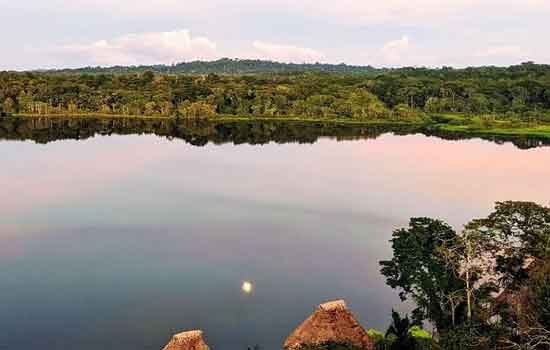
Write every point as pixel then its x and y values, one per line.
pixel 187 341
pixel 332 322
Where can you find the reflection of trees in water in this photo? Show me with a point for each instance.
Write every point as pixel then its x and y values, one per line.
pixel 201 132
pixel 522 142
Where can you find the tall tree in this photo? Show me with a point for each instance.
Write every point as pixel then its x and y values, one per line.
pixel 420 272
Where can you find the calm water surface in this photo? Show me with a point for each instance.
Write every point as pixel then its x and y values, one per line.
pixel 117 242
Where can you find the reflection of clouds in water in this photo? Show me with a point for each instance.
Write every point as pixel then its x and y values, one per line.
pixel 8 230
pixel 392 177
pixel 10 244
pixel 72 170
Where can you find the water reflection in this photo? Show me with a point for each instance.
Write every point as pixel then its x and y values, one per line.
pixel 199 133
pixel 117 242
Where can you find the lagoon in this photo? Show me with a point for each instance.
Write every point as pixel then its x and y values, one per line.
pixel 118 237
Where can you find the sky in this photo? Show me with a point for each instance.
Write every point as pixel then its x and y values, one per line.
pixel 384 33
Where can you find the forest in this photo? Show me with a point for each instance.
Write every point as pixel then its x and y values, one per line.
pixel 477 98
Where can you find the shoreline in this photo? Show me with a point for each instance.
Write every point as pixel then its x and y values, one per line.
pixel 503 129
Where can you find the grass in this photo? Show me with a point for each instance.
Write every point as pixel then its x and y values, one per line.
pixel 487 125
pixel 539 131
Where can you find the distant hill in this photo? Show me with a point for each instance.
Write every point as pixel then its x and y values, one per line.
pixel 226 66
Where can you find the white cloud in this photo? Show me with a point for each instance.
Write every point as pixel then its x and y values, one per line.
pixel 286 53
pixel 145 48
pixel 440 32
pixel 404 52
pixel 173 47
pixel 399 53
pixel 393 51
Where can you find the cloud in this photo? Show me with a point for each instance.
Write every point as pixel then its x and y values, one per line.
pixel 286 53
pixel 145 48
pixel 393 51
pixel 401 52
pixel 174 47
pixel 404 52
pixel 440 32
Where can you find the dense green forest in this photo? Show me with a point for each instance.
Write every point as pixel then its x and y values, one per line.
pixel 485 97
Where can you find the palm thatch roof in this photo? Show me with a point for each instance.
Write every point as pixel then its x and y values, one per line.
pixel 331 323
pixel 192 340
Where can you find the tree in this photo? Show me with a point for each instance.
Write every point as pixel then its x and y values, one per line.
pixel 420 272
pixel 469 256
pixel 8 105
pixel 148 77
pixel 367 105
pixel 521 233
pixel 528 319
pixel 197 109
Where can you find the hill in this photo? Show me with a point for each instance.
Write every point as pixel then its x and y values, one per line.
pixel 226 66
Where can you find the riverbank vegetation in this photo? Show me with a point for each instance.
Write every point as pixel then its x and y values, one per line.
pixel 513 100
pixel 486 287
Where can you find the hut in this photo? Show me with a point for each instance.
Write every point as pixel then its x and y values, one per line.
pixel 331 323
pixel 191 340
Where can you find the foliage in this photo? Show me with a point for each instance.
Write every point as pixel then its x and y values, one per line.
pixel 399 333
pixel 464 337
pixel 521 231
pixel 539 285
pixel 402 334
pixel 502 266
pixel 419 272
pixel 488 97
pixel 528 316
pixel 376 335
pixel 330 346
pixel 418 332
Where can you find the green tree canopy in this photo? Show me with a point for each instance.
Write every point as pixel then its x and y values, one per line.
pixel 419 272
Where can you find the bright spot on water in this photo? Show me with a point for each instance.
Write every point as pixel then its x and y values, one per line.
pixel 247 287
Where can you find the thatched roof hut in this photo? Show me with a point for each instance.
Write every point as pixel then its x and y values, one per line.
pixel 332 323
pixel 192 340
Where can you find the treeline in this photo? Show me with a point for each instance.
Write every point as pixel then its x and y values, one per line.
pixel 226 66
pixel 519 93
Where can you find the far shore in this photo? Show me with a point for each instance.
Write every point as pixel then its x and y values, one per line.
pixel 448 123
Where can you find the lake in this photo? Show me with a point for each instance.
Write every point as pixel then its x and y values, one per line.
pixel 116 236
